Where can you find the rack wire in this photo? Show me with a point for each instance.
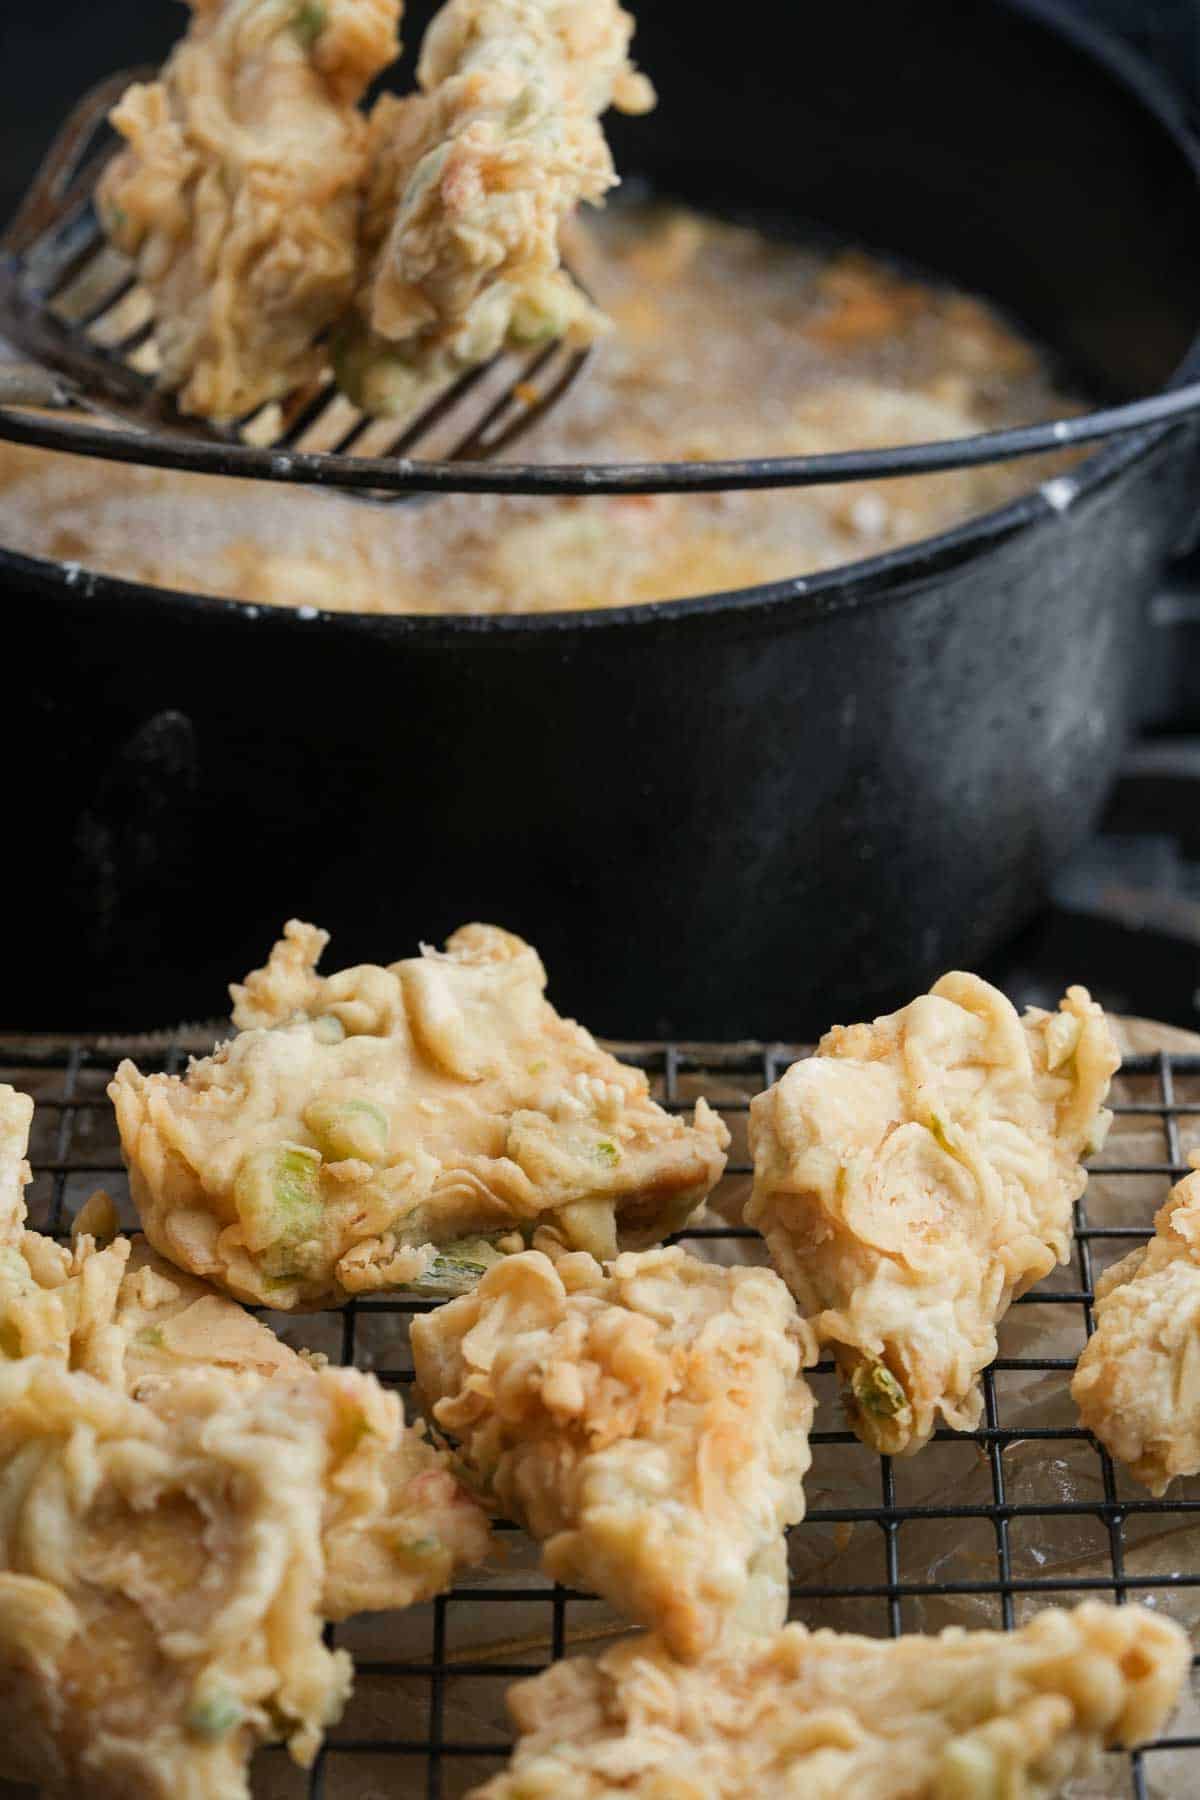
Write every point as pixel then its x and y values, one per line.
pixel 426 1671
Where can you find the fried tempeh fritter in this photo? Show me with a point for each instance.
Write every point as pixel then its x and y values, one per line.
pixel 16 1116
pixel 915 1176
pixel 184 1502
pixel 384 1127
pixel 962 1716
pixel 240 191
pixel 474 179
pixel 648 1425
pixel 1137 1384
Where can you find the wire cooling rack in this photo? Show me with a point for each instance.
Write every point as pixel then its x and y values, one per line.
pixel 427 1719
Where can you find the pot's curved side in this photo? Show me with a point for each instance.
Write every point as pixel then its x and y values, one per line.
pixel 740 814
pixel 708 832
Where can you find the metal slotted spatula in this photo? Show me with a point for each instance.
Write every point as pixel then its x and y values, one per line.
pixel 75 307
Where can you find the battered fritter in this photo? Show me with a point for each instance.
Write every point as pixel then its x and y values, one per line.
pixel 473 182
pixel 240 192
pixel 981 1715
pixel 1137 1385
pixel 401 1126
pixel 184 1502
pixel 915 1176
pixel 648 1425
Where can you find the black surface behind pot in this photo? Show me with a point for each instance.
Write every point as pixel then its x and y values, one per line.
pixel 746 815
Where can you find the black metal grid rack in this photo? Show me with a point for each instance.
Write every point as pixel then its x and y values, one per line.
pixel 420 1676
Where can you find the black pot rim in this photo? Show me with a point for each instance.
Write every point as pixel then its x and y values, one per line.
pixel 870 579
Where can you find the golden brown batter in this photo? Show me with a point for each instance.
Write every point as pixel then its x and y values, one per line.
pixel 1138 1379
pixel 387 1127
pixel 915 1176
pixel 474 179
pixel 646 1422
pixel 239 188
pixel 184 1501
pixel 974 1715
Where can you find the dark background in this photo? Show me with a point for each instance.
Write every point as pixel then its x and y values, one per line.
pixel 52 51
pixel 1167 32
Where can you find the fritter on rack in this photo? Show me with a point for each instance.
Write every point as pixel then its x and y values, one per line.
pixel 915 1176
pixel 962 1716
pixel 16 1116
pixel 1137 1384
pixel 392 1127
pixel 184 1502
pixel 648 1425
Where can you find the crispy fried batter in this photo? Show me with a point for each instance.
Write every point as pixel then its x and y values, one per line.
pixel 962 1716
pixel 183 1502
pixel 240 191
pixel 16 1116
pixel 474 179
pixel 383 1127
pixel 915 1176
pixel 648 1425
pixel 1137 1385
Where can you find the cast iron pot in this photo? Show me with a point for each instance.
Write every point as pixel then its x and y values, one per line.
pixel 749 813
